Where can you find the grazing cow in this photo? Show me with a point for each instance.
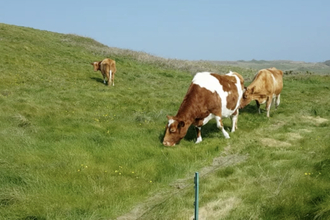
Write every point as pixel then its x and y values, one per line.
pixel 107 68
pixel 209 96
pixel 265 88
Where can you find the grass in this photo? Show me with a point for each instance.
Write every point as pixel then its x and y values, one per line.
pixel 72 148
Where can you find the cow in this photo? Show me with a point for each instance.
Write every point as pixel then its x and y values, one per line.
pixel 266 87
pixel 107 68
pixel 209 96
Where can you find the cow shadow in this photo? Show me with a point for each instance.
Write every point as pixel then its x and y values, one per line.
pixel 208 130
pixel 190 136
pixel 251 109
pixel 99 80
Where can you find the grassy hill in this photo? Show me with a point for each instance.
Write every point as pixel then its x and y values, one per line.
pixel 73 148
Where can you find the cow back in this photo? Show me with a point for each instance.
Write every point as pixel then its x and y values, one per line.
pixel 268 81
pixel 226 90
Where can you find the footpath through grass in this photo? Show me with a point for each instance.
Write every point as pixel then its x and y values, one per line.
pixel 72 148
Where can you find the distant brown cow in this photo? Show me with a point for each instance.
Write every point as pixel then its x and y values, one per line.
pixel 209 96
pixel 265 88
pixel 107 68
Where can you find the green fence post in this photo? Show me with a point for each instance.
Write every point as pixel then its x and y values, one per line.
pixel 196 180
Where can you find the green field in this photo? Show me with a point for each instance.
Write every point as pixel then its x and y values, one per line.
pixel 73 148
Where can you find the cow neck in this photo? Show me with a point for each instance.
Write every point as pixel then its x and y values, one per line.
pixel 186 113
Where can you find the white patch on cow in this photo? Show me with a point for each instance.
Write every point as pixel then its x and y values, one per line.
pixel 208 118
pixel 199 139
pixel 278 100
pixel 171 121
pixel 234 119
pixel 207 81
pixel 274 80
pixel 224 132
pixel 239 88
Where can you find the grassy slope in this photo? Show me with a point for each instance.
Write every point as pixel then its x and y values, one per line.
pixel 72 148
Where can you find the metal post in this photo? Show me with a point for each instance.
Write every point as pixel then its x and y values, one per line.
pixel 196 195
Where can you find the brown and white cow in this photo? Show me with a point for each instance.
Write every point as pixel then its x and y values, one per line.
pixel 265 88
pixel 209 96
pixel 107 68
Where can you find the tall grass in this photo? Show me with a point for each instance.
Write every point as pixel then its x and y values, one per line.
pixel 73 148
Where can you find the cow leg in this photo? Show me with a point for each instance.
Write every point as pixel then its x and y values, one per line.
pixel 277 101
pixel 103 78
pixel 109 81
pixel 110 75
pixel 234 120
pixel 258 106
pixel 107 72
pixel 220 126
pixel 199 135
pixel 268 105
pixel 113 79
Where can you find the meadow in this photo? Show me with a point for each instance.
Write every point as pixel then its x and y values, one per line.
pixel 73 148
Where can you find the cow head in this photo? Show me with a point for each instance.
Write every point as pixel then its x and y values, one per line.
pixel 247 96
pixel 175 131
pixel 250 94
pixel 96 65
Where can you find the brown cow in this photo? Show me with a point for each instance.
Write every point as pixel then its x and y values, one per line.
pixel 107 68
pixel 209 96
pixel 265 88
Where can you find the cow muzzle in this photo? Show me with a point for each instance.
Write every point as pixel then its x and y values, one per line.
pixel 168 144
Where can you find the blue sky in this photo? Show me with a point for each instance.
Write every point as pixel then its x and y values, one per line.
pixel 229 30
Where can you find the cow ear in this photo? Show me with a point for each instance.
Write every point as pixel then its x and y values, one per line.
pixel 181 124
pixel 245 88
pixel 252 90
pixel 92 64
pixel 169 117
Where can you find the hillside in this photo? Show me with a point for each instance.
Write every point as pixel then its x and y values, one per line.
pixel 73 148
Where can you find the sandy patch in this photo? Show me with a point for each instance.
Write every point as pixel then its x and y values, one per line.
pixel 305 130
pixel 276 125
pixel 218 209
pixel 316 120
pixel 274 143
pixel 293 136
pixel 218 163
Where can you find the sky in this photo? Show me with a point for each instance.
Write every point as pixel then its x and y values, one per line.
pixel 220 30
